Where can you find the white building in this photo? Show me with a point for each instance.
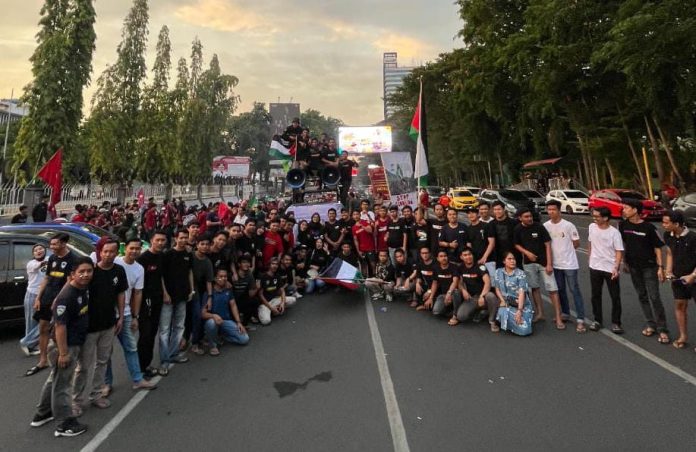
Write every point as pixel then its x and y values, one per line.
pixel 393 77
pixel 11 109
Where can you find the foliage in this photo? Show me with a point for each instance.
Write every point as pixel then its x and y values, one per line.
pixel 250 134
pixel 318 123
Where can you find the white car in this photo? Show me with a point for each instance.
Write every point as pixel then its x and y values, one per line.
pixel 572 201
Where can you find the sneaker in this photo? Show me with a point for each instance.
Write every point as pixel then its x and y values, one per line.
pixel 25 350
pixel 595 326
pixel 101 402
pixel 180 359
pixel 145 385
pixel 298 295
pixel 376 296
pixel 389 297
pixel 70 427
pixel 34 352
pixel 41 419
pixel 150 373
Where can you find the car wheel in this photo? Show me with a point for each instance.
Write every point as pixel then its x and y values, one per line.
pixel 569 210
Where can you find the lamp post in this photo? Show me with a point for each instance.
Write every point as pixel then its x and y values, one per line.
pixel 7 134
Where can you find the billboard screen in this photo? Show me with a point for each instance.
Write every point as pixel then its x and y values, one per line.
pixel 226 166
pixel 365 140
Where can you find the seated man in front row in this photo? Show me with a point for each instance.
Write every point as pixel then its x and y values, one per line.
pixel 221 315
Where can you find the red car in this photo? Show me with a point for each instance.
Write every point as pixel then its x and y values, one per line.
pixel 613 198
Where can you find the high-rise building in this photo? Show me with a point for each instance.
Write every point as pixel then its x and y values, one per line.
pixel 393 77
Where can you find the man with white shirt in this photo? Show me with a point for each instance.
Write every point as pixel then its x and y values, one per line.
pixel 605 249
pixel 564 241
pixel 128 336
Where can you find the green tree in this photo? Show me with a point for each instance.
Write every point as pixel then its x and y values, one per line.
pixel 61 67
pixel 318 123
pixel 250 133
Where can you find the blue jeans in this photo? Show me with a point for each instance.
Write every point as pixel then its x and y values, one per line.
pixel 129 342
pixel 171 330
pixel 229 331
pixel 31 326
pixel 569 278
pixel 198 301
pixel 314 284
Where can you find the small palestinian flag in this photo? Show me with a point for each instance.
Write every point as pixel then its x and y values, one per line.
pixel 341 273
pixel 281 152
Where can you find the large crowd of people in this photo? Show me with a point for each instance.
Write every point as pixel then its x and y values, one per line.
pixel 212 275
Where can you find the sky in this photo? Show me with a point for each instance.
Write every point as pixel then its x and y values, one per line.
pixel 326 55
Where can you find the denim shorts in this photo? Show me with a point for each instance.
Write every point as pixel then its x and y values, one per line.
pixel 536 274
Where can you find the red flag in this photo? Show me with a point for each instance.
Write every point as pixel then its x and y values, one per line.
pixel 141 197
pixel 223 211
pixel 52 174
pixel 293 149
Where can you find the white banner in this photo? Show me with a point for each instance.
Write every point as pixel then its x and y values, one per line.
pixel 402 185
pixel 227 166
pixel 305 211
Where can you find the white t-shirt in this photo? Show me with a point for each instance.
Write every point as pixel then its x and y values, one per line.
pixel 562 235
pixel 240 220
pixel 35 274
pixel 135 273
pixel 605 243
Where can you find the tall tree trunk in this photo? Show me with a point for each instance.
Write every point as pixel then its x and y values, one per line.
pixel 668 151
pixel 634 154
pixel 589 181
pixel 656 151
pixel 611 172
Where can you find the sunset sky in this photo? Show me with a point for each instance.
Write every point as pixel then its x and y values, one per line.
pixel 324 54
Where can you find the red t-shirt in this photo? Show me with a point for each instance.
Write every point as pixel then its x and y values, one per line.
pixel 202 218
pixel 272 246
pixel 78 218
pixel 150 219
pixel 382 226
pixel 366 242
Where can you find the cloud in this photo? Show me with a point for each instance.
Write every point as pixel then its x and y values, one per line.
pixel 406 46
pixel 220 15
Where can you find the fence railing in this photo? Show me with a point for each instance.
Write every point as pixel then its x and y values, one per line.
pixel 12 196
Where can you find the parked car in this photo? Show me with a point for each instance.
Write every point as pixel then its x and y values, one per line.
pixel 476 191
pixel 513 200
pixel 460 199
pixel 15 251
pixel 613 198
pixel 537 197
pixel 434 193
pixel 687 204
pixel 572 201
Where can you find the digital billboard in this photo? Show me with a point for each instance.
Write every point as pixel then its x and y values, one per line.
pixel 365 140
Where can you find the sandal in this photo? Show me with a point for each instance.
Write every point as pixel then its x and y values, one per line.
pixel 414 304
pixel 663 338
pixel 648 331
pixel 453 322
pixel 679 344
pixel 214 351
pixel 560 326
pixel 494 328
pixel 35 370
pixel 421 308
pixel 580 328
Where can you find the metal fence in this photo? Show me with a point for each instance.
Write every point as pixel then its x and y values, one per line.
pixel 12 196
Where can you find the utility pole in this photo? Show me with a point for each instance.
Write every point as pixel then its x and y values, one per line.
pixel 7 134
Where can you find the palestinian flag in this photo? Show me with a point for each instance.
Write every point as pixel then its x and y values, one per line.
pixel 417 132
pixel 280 152
pixel 341 273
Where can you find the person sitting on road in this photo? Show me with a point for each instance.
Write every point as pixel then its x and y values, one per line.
pixel 515 309
pixel 221 315
pixel 445 286
pixel 286 271
pixel 318 260
pixel 382 284
pixel 425 273
pixel 272 294
pixel 475 288
pixel 405 274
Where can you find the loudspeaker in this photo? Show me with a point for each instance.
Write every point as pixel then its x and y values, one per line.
pixel 330 177
pixel 295 178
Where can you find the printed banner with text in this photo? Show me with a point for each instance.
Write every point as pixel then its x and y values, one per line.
pixel 402 185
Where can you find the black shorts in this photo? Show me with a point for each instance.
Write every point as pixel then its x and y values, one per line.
pixel 683 292
pixel 44 313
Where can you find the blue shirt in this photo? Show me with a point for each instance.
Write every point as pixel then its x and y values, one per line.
pixel 220 303
pixel 510 285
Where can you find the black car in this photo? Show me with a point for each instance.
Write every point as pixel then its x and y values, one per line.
pixel 15 252
pixel 514 200
pixel 687 204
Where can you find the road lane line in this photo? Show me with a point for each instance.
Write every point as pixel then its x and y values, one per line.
pixel 396 423
pixel 109 428
pixel 687 377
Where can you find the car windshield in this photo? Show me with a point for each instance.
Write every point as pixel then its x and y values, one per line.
pixel 532 193
pixel 513 194
pixel 461 193
pixel 631 195
pixel 575 194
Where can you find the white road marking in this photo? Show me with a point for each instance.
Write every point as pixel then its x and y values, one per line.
pixel 396 423
pixel 109 428
pixel 687 377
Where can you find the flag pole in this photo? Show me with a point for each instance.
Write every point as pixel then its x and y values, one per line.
pixel 420 128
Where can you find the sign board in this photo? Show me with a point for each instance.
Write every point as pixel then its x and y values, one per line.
pixel 282 115
pixel 399 172
pixel 365 140
pixel 226 166
pixel 305 211
pixel 380 188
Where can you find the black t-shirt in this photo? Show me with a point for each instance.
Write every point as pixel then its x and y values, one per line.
pixel 270 286
pixel 640 241
pixel 404 270
pixel 220 259
pixel 408 229
pixel 242 286
pixel 316 231
pixel 152 287
pixel 301 265
pixel 683 252
pixel 435 228
pixel 314 158
pixel 395 233
pixel 57 269
pixel 176 266
pixel 286 275
pixel 532 238
pixel 39 212
pixel 472 277
pixel 426 273
pixel 247 245
pixel 19 219
pixel 203 273
pixel 319 258
pixel 329 154
pixel 384 272
pixel 477 235
pixel 71 308
pixel 332 230
pixel 305 238
pixel 104 289
pixel 345 168
pixel 444 277
pixel 504 232
pixel 347 225
pixel 450 234
pixel 421 236
pixel 352 258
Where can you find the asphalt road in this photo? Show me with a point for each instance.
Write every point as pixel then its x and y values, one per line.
pixel 312 381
